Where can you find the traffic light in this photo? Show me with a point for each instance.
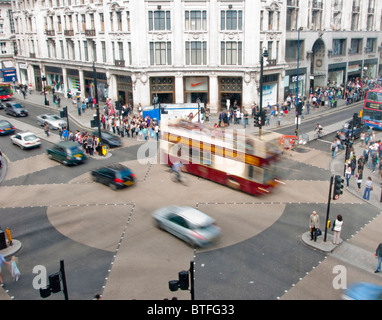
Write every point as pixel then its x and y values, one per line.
pixel 54 282
pixel 95 122
pixel 263 117
pixel 256 119
pixel 183 280
pixel 182 283
pixel 338 186
pixel 64 112
pixel 299 108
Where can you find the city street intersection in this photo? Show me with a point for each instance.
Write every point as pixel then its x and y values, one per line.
pixel 111 246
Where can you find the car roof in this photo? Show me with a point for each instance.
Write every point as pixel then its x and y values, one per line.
pixel 194 216
pixel 5 122
pixel 27 133
pixel 67 144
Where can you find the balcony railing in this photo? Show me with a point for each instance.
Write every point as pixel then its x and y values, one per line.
pixel 32 55
pixel 90 32
pixel 119 63
pixel 68 33
pixel 49 33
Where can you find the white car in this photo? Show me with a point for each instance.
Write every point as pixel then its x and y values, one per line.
pixel 53 121
pixel 188 224
pixel 25 140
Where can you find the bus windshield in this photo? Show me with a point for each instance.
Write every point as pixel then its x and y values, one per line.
pixel 5 89
pixel 374 96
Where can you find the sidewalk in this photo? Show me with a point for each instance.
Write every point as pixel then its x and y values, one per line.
pixel 337 168
pixel 84 119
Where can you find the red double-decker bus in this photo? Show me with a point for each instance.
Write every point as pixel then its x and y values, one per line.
pixel 228 157
pixel 5 91
pixel 372 109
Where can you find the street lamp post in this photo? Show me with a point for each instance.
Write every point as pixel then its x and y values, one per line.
pixel 97 109
pixel 264 54
pixel 298 76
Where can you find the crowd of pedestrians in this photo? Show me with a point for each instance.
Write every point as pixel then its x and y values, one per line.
pixel 319 97
pixel 370 159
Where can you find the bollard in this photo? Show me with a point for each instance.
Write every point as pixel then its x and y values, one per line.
pixel 9 236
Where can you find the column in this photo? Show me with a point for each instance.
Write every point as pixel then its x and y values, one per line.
pixel 214 93
pixel 82 83
pixel 179 93
pixel 65 79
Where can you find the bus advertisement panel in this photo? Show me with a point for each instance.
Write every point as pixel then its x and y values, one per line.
pixel 372 109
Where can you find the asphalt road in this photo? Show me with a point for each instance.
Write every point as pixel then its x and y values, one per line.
pixel 110 245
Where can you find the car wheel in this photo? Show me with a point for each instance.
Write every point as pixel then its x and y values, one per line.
pixel 112 186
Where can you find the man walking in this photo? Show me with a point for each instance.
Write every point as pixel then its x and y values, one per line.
pixel 378 254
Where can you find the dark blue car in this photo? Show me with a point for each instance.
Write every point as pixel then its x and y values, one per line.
pixel 6 128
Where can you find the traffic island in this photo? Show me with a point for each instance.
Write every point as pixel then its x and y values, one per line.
pixel 11 249
pixel 321 245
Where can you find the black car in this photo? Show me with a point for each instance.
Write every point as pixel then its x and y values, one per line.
pixel 6 128
pixel 116 176
pixel 109 139
pixel 15 109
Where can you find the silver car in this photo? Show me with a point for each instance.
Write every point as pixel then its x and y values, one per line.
pixel 53 121
pixel 188 224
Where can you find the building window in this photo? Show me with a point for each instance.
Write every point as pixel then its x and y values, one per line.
pixel 120 50
pixel 231 53
pixel 339 47
pixel 232 20
pixel 370 45
pixel 356 46
pixel 160 53
pixel 196 20
pixel 86 50
pixel 159 20
pixel 196 53
pixel 291 50
pixel 103 45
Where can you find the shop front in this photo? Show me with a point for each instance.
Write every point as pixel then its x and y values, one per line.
pixel 23 73
pixel 291 81
pixel 354 71
pixel 270 89
pixel 124 89
pixel 230 92
pixel 101 85
pixel 370 68
pixel 196 87
pixel 337 74
pixel 37 77
pixel 73 81
pixel 163 88
pixel 54 78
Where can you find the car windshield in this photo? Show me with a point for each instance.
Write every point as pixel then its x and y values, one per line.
pixel 17 106
pixel 4 123
pixel 124 174
pixel 74 150
pixel 54 117
pixel 30 137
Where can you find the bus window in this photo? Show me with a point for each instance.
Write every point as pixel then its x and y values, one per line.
pixel 256 174
pixel 374 96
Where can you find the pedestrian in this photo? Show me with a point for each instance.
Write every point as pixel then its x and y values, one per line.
pixel 368 188
pixel 359 179
pixel 333 148
pixel 378 254
pixel 46 129
pixel 2 261
pixel 314 224
pixel 279 117
pixel 337 227
pixel 348 175
pixel 15 270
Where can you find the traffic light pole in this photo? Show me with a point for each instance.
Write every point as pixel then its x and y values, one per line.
pixel 63 278
pixel 328 207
